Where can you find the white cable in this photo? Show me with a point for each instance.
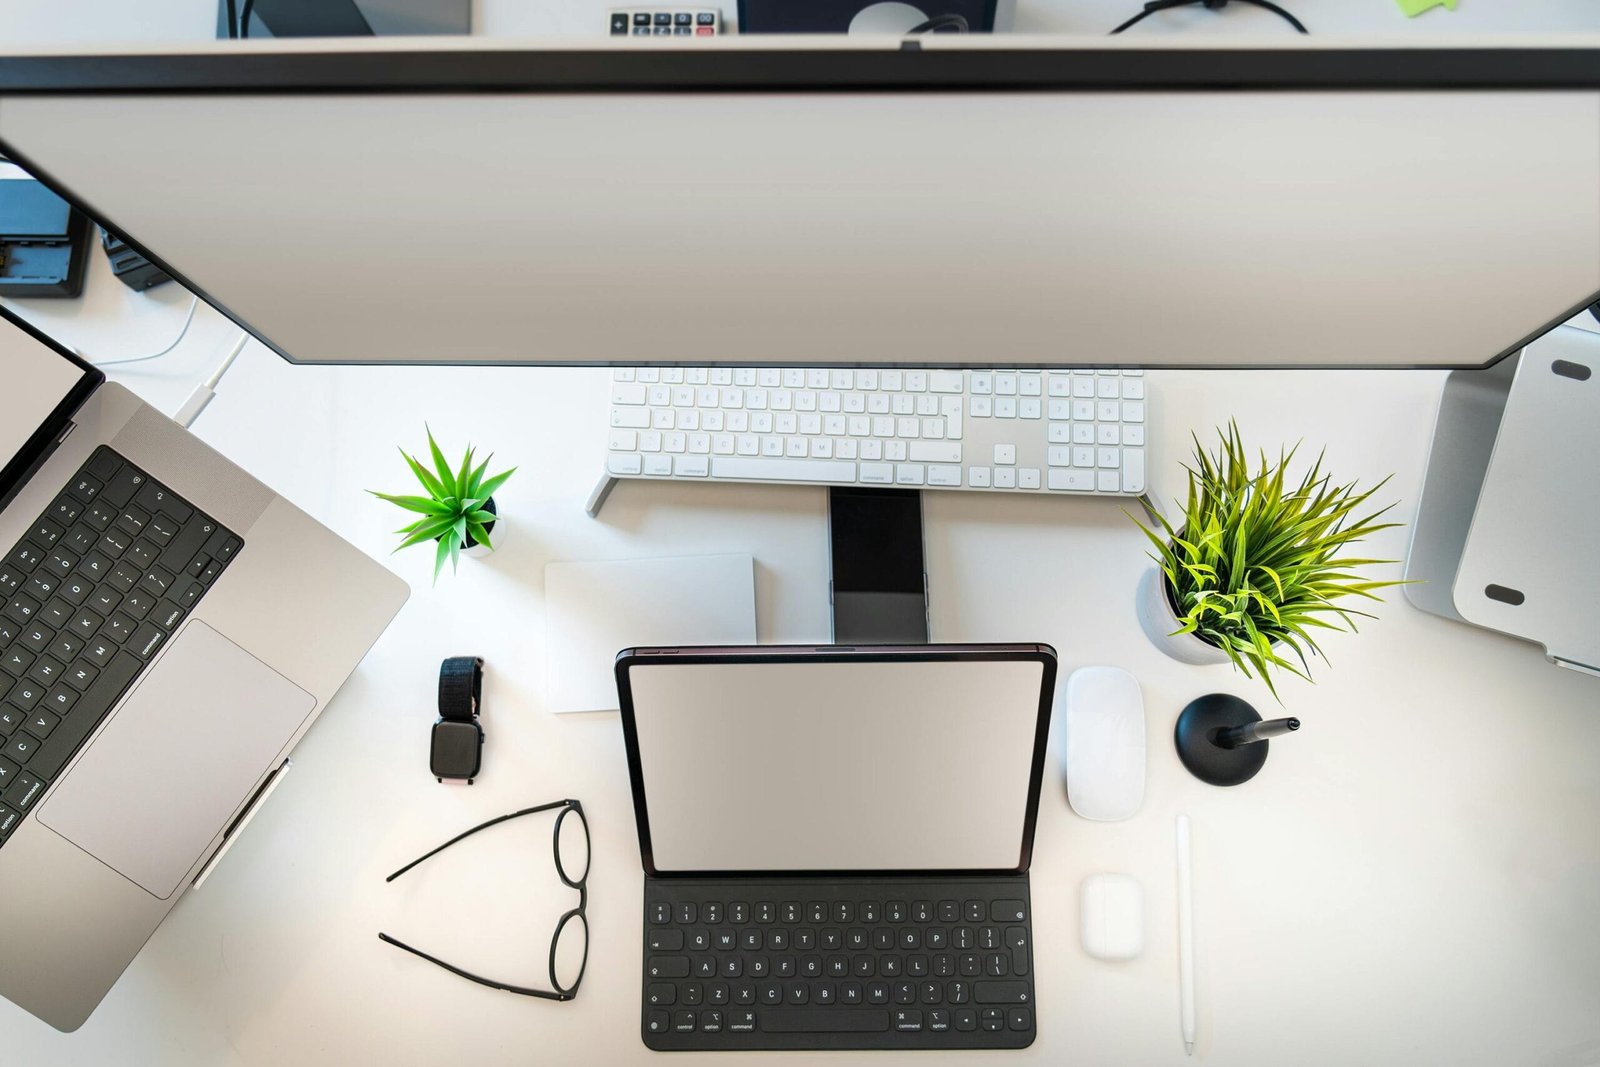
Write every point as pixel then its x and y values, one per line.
pixel 207 390
pixel 194 302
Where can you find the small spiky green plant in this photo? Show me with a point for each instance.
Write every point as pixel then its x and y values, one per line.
pixel 452 512
pixel 1252 563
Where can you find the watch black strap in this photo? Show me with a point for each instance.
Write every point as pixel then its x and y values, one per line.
pixel 460 688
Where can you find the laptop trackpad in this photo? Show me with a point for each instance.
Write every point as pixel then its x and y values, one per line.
pixel 185 750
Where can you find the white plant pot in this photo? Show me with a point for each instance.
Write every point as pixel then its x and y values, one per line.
pixel 1159 621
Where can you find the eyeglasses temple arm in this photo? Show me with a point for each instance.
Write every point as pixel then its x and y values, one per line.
pixel 469 976
pixel 468 833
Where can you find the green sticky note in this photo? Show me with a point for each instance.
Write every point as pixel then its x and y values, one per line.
pixel 1413 8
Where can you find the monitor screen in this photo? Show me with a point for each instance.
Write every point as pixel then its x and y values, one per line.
pixel 838 763
pixel 37 382
pixel 1022 202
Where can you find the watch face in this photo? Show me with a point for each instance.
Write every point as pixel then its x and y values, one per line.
pixel 456 749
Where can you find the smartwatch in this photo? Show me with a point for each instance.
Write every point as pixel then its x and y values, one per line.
pixel 457 749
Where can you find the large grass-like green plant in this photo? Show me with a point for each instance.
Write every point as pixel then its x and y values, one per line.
pixel 452 512
pixel 1254 562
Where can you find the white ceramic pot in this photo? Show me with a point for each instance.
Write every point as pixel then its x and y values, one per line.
pixel 496 529
pixel 1159 621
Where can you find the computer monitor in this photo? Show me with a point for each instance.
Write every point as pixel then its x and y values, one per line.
pixel 949 201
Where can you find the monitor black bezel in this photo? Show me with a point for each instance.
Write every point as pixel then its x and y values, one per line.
pixel 15 473
pixel 910 67
pixel 749 654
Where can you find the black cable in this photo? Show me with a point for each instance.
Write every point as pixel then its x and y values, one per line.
pixel 244 18
pixel 952 22
pixel 1153 6
pixel 233 18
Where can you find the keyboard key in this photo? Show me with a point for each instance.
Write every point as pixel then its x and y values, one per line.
pixel 660 994
pixel 825 1020
pixel 664 940
pixel 992 1019
pixel 1008 911
pixel 657 1022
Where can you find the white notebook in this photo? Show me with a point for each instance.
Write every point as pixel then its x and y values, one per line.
pixel 595 610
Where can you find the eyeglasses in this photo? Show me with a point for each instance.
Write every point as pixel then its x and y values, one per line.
pixel 569 948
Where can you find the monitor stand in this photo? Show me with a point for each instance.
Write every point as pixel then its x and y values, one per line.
pixel 878 585
pixel 1511 500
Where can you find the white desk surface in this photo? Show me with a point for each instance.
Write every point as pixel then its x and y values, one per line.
pixel 1414 878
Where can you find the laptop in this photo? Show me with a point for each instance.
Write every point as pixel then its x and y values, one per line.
pixel 836 843
pixel 169 628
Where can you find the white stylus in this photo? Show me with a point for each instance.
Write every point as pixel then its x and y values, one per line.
pixel 1186 934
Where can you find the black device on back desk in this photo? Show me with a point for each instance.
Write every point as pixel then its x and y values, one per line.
pixel 836 843
pixel 41 241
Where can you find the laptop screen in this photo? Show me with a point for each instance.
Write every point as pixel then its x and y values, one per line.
pixel 34 381
pixel 839 762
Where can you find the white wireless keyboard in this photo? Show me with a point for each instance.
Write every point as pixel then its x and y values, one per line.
pixel 1080 431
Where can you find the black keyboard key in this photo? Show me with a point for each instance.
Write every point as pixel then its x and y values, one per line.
pixel 1008 911
pixel 121 487
pixel 65 647
pixel 138 603
pixel 99 653
pixel 56 614
pixel 8 631
pixel 657 1022
pixel 60 700
pixel 939 1021
pixel 177 556
pixel 965 1019
pixel 115 542
pixel 908 1020
pixel 124 577
pixel 975 911
pixel 41 586
pixel 156 497
pixel 100 515
pixel 1000 992
pixel 660 994
pixel 16 661
pixel 158 581
pixel 992 1019
pixel 35 639
pixel 117 675
pixel 119 628
pixel 683 1022
pixel 161 530
pixel 82 538
pixel 9 818
pixel 8 774
pixel 22 747
pixel 41 723
pixel 65 510
pixel 1019 1019
pixel 11 719
pixel 11 579
pixel 132 519
pixel 75 589
pixel 665 940
pixel 86 487
pixel 46 671
pixel 104 601
pixel 45 533
pixel 25 557
pixel 21 609
pixel 1017 941
pixel 95 567
pixel 694 995
pixel 667 967
pixel 825 1021
pixel 186 593
pixel 949 911
pixel 103 463
pixel 85 624
pixel 25 791
pixel 660 912
pixel 147 641
pixel 81 675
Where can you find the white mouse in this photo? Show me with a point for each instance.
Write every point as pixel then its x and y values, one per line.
pixel 1113 916
pixel 1104 743
pixel 887 17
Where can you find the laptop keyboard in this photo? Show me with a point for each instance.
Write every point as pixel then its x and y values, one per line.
pixel 868 964
pixel 87 599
